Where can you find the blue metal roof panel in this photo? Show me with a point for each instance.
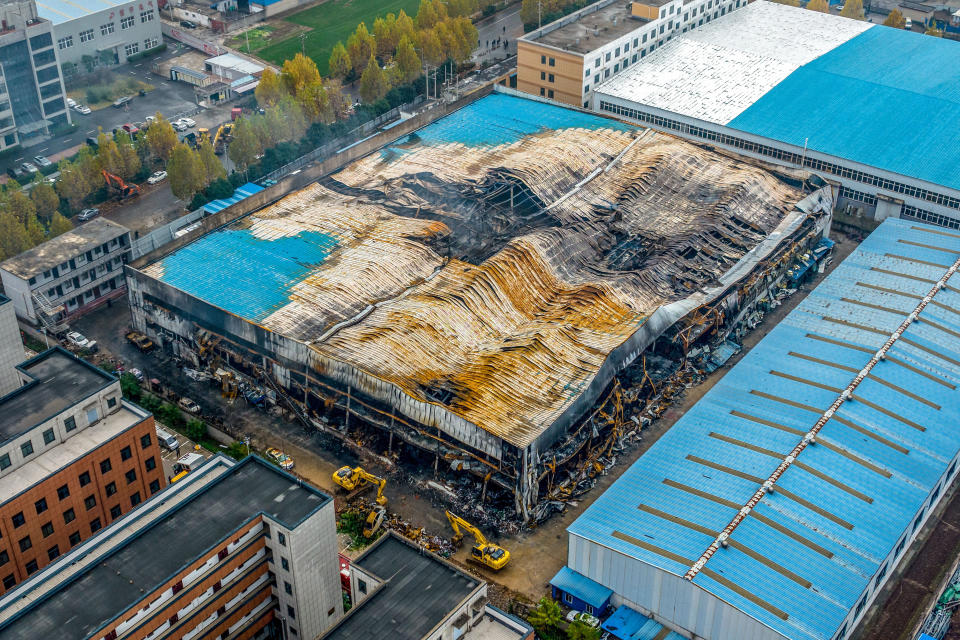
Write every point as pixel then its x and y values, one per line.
pixel 627 624
pixel 886 76
pixel 581 587
pixel 800 561
pixel 59 11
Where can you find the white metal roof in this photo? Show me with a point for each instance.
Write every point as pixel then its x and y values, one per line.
pixel 715 72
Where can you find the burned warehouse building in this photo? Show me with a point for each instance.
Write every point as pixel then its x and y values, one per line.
pixel 475 287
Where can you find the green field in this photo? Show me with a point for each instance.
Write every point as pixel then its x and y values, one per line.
pixel 329 22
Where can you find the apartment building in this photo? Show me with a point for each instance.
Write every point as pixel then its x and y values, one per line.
pixel 11 347
pixel 566 59
pixel 235 550
pixel 74 457
pixel 32 101
pixel 69 275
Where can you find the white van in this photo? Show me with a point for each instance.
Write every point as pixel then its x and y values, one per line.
pixel 167 439
pixel 908 25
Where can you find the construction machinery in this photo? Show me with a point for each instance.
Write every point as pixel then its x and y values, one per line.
pixel 492 555
pixel 356 479
pixel 374 521
pixel 222 138
pixel 118 186
pixel 203 135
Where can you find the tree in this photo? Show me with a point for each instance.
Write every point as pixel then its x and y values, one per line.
pixel 21 206
pixel 405 27
pixel 160 137
pixel 373 83
pixel 546 618
pixel 109 154
pixel 13 236
pixel 853 9
pixel 580 631
pixel 467 38
pixel 818 5
pixel 89 163
pixel 58 225
pixel 185 171
pixel 298 73
pixel 72 185
pixel 196 430
pixel 360 46
pixel 246 145
pixel 385 35
pixel 35 231
pixel 933 31
pixel 270 89
pixel 129 158
pixel 789 3
pixel 895 20
pixel 339 103
pixel 340 64
pixel 432 47
pixel 315 103
pixel 45 199
pixel 408 63
pixel 238 450
pixel 212 167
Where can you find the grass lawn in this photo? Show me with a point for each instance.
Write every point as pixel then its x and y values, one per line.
pixel 257 38
pixel 329 22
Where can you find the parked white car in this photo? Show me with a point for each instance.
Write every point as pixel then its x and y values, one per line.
pixel 591 621
pixel 179 125
pixel 85 110
pixel 78 340
pixel 157 176
pixel 190 122
pixel 71 103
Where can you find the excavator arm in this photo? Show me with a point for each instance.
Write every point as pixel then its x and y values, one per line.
pixel 492 555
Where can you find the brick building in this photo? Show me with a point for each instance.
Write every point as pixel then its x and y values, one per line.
pixel 234 550
pixel 74 457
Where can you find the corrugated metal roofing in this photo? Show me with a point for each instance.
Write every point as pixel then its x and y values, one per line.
pixel 581 587
pixel 627 624
pixel 58 11
pixel 241 192
pixel 803 556
pixel 862 101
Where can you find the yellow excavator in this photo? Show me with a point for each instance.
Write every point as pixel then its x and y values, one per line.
pixel 492 555
pixel 356 479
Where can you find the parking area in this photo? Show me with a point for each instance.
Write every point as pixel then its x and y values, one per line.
pixel 170 456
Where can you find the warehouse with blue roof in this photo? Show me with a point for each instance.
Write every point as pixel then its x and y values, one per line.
pixel 778 505
pixel 871 107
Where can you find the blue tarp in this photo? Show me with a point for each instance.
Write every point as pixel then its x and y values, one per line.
pixel 583 588
pixel 242 192
pixel 627 624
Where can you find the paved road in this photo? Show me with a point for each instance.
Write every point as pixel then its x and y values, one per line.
pixel 506 26
pixel 157 206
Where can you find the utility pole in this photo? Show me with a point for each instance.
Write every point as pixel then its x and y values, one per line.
pixel 303 37
pixel 539 19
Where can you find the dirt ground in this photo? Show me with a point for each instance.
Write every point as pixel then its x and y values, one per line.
pixel 536 554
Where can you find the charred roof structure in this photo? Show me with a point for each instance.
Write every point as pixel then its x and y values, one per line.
pixel 476 285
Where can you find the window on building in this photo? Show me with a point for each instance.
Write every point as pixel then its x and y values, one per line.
pixel 41 41
pixel 53 552
pixel 543 91
pixel 131 476
pixel 288 588
pixel 63 492
pixel 145 441
pixel 111 403
pixel 127 21
pixel 69 516
pixel 32 567
pixel 282 539
pixel 362 586
pixel 291 613
pixel 617 52
pixel 150 43
pixel 95 525
pixel 543 59
pixel 115 512
pixel 70 423
pixel 293 631
pixel 9 582
pixel 154 487
pixel 150 463
pixel 146 16
pixel 4 461
pixel 47 530
pixel 596 78
pixel 284 564
pixel 106 29
pixel 86 36
pixel 126 453
pixel 568 598
pixel 92 414
pixel 90 502
pixel 25 543
pixel 4 558
pixel 111 489
pixel 65 43
pixel 26 448
pixel 590 609
pixel 41 505
pixel 84 478
pixel 596 63
pixel 18 520
pixel 550 78
pixel 74 538
pixel 607 58
pixel 550 93
pixel 543 75
pixel 105 466
pixel 48 436
pixel 135 499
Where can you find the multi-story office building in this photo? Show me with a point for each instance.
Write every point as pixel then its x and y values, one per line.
pixel 234 550
pixel 74 457
pixel 91 34
pixel 566 59
pixel 68 275
pixel 11 347
pixel 31 90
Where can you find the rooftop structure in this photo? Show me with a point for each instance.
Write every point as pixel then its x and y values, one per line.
pixel 474 276
pixel 593 29
pixel 54 252
pixel 218 523
pixel 58 11
pixel 778 82
pixel 782 501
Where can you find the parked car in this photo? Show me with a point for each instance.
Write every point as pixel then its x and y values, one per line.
pixel 167 439
pixel 88 214
pixel 28 167
pixel 52 178
pixel 189 405
pixel 186 24
pixel 157 176
pixel 85 110
pixel 43 161
pixel 190 122
pixel 130 128
pixel 149 120
pixel 282 459
pixel 71 103
pixel 591 621
pixel 908 25
pixel 178 126
pixel 140 341
pixel 92 142
pixel 16 173
pixel 119 103
pixel 136 373
pixel 80 341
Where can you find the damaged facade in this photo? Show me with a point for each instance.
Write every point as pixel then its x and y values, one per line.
pixel 474 287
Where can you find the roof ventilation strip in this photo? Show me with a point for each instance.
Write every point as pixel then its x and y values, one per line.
pixel 810 437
